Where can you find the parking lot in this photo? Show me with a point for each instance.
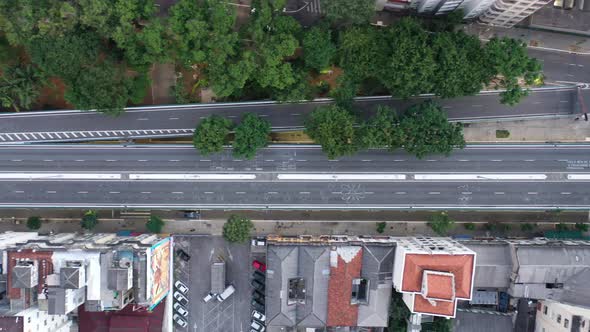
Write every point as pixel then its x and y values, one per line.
pixel 230 315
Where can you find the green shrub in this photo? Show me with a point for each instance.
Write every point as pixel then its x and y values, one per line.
pixel 441 223
pixel 89 220
pixel 561 227
pixel 582 227
pixel 502 133
pixel 381 227
pixel 526 227
pixel 34 223
pixel 237 229
pixel 155 224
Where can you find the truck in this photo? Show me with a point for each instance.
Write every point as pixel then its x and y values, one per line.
pixel 226 293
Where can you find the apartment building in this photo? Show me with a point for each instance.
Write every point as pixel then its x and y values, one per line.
pixel 558 317
pixel 45 278
pixel 507 13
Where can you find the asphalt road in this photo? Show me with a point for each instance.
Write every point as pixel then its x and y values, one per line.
pixel 180 121
pixel 268 191
pixel 563 67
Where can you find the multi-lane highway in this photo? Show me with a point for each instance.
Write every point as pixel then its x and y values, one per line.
pixel 492 177
pixel 180 120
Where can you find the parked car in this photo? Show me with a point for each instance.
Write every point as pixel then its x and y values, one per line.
pixel 180 298
pixel 257 275
pixel 257 285
pixel 183 255
pixel 179 320
pixel 258 296
pixel 258 242
pixel 181 287
pixel 558 3
pixel 226 293
pixel 259 266
pixel 258 316
pixel 180 309
pixel 194 214
pixel 257 326
pixel 208 297
pixel 258 306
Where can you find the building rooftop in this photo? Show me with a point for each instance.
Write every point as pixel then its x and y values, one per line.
pixel 494 265
pixel 345 266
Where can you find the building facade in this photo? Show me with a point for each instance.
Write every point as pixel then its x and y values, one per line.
pixel 557 317
pixel 507 13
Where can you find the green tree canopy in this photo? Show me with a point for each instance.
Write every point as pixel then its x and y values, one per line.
pixel 349 11
pixel 332 128
pixel 89 220
pixel 441 223
pixel 155 224
pixel 20 86
pixel 362 52
pixel 250 135
pixel 427 130
pixel 409 61
pixel 237 229
pixel 318 48
pixel 34 223
pixel 381 131
pixel 211 133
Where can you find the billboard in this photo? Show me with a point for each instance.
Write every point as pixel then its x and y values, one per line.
pixel 158 279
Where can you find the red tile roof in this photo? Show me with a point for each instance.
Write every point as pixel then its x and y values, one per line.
pixel 461 266
pixel 45 267
pixel 441 308
pixel 340 311
pixel 440 286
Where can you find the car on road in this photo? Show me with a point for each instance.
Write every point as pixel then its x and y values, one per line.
pixel 183 255
pixel 257 285
pixel 258 316
pixel 257 275
pixel 181 287
pixel 179 320
pixel 180 298
pixel 257 326
pixel 258 306
pixel 258 265
pixel 258 242
pixel 258 296
pixel 180 309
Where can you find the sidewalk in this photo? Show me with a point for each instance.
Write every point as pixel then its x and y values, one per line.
pixel 534 38
pixel 566 130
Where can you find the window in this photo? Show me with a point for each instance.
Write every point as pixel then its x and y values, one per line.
pixel 544 310
pixel 29 319
pixel 566 323
pixel 296 291
pixel 558 319
pixel 554 285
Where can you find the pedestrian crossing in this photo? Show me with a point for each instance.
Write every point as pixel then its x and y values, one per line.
pixel 314 7
pixel 32 137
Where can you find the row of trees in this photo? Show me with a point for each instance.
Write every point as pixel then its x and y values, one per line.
pixel 90 220
pixel 423 129
pixel 249 135
pixel 102 50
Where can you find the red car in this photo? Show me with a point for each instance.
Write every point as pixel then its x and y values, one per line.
pixel 259 266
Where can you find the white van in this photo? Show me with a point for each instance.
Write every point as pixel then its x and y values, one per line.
pixel 226 293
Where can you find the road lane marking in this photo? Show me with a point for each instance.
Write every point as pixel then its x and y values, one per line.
pixel 19 191
pixel 578 176
pixel 114 192
pixel 301 160
pixel 240 192
pixel 532 193
pixel 304 192
pixel 498 193
pixel 172 118
pixel 466 193
pixel 16 160
pixel 209 192
pixel 51 191
pixel 178 192
pixel 146 192
pixel 60 176
pixel 304 176
pixel 82 192
pixel 480 176
pixel 202 176
pixel 434 193
pixel 566 193
pixel 400 192
pixel 273 192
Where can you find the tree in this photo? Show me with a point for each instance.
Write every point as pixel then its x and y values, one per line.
pixel 460 69
pixel 318 48
pixel 413 75
pixel 250 135
pixel 103 87
pixel 211 133
pixel 381 131
pixel 362 52
pixel 582 227
pixel 562 227
pixel 509 58
pixel 20 86
pixel 332 128
pixel 89 220
pixel 155 224
pixel 237 229
pixel 441 223
pixel 349 11
pixel 381 227
pixel 527 227
pixel 427 130
pixel 34 223
pixel 439 324
pixel 469 226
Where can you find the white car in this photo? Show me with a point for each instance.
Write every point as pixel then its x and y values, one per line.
pixel 258 316
pixel 179 320
pixel 180 298
pixel 208 297
pixel 181 287
pixel 180 309
pixel 257 326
